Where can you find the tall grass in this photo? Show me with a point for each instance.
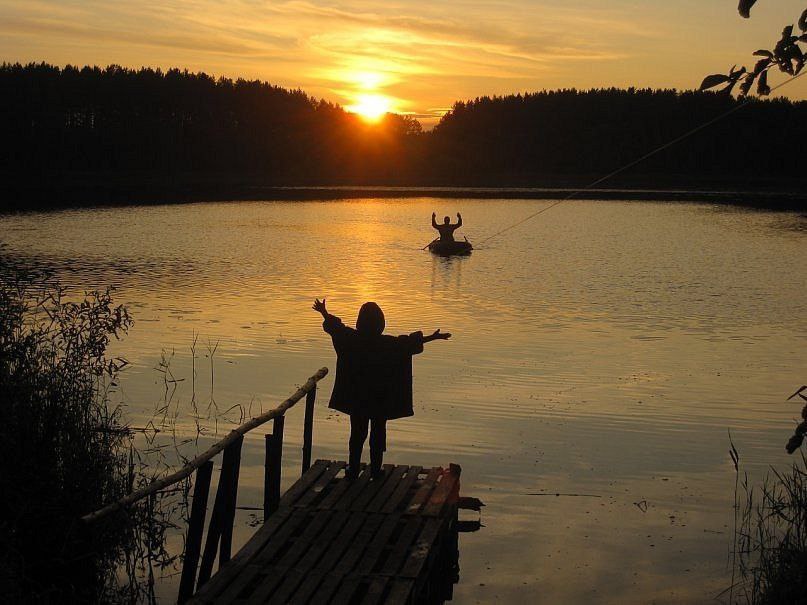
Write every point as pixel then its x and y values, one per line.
pixel 771 535
pixel 772 538
pixel 65 450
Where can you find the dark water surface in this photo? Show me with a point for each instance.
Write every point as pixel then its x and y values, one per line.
pixel 604 349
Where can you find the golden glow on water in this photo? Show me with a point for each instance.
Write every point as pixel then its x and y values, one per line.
pixel 604 349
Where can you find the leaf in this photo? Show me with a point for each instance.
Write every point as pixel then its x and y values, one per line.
pixel 748 82
pixel 727 90
pixel 735 73
pixel 763 89
pixel 763 53
pixel 745 7
pixel 761 65
pixel 713 80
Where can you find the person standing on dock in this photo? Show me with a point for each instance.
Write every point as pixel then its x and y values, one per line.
pixel 446 229
pixel 373 378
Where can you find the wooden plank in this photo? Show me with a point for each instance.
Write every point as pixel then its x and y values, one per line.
pixel 302 581
pixel 385 492
pixel 251 573
pixel 268 481
pixel 218 518
pixel 324 480
pixel 306 588
pixel 226 574
pixel 299 488
pixel 379 542
pixel 292 578
pixel 375 592
pixel 350 584
pixel 369 491
pixel 290 557
pixel 425 489
pixel 230 467
pixel 400 592
pixel 196 526
pixel 275 464
pixel 421 549
pixel 339 541
pixel 334 553
pixel 326 589
pixel 400 550
pixel 441 494
pixel 308 428
pixel 359 543
pixel 326 538
pixel 336 493
pixel 401 490
pixel 353 491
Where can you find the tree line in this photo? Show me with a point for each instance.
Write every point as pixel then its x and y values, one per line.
pixel 116 125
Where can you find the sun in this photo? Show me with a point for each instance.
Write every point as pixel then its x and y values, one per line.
pixel 371 107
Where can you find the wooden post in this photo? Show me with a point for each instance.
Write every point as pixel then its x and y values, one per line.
pixel 274 466
pixel 220 516
pixel 232 456
pixel 196 525
pixel 267 476
pixel 308 428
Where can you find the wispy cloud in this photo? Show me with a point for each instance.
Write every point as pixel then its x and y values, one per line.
pixel 425 55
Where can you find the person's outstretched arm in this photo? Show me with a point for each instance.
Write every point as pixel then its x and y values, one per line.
pixel 331 324
pixel 434 222
pixel 459 220
pixel 319 307
pixel 437 335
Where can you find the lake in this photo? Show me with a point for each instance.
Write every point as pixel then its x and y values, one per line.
pixel 601 351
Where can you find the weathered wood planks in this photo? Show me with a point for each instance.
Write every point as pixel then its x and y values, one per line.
pixel 332 540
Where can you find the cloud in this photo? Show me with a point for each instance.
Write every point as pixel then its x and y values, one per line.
pixel 425 54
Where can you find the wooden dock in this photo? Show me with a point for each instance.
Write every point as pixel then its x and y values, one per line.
pixel 332 540
pixel 327 539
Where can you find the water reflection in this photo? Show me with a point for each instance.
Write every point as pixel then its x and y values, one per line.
pixel 602 349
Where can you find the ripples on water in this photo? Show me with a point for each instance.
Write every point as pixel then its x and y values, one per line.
pixel 603 348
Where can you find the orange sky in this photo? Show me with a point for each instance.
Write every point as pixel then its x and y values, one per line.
pixel 401 55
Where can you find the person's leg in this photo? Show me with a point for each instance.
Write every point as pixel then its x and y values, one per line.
pixel 358 435
pixel 378 444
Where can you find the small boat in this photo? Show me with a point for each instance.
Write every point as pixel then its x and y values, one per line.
pixel 450 248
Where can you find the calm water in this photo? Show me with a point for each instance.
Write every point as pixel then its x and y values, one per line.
pixel 603 349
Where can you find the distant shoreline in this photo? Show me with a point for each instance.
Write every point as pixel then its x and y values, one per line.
pixel 49 195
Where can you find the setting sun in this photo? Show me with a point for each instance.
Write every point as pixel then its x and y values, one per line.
pixel 371 107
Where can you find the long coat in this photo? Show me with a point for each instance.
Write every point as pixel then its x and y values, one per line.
pixel 373 373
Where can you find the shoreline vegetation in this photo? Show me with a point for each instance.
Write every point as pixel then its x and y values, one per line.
pixel 117 136
pixel 68 449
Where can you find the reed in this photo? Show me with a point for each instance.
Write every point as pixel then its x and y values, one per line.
pixel 63 448
pixel 771 538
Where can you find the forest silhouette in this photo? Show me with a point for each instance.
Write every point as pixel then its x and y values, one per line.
pixel 108 134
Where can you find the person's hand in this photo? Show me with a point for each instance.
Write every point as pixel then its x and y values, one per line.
pixel 319 306
pixel 434 214
pixel 440 335
pixel 459 216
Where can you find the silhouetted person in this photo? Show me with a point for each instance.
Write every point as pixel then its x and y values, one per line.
pixel 373 378
pixel 447 229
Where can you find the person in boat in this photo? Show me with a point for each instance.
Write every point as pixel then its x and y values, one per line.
pixel 373 378
pixel 446 229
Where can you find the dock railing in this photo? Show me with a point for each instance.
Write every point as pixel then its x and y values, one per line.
pixel 220 529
